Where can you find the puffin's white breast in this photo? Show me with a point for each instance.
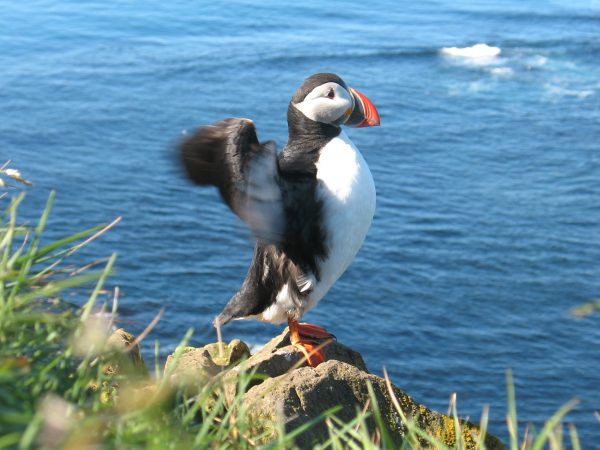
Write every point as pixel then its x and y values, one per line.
pixel 347 190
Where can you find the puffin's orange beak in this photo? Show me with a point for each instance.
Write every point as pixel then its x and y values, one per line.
pixel 364 113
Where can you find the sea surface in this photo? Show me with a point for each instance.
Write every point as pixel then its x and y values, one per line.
pixel 487 167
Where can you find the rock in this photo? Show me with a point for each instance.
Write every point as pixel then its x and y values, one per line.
pixel 124 358
pixel 122 364
pixel 287 391
pixel 281 345
pixel 302 395
pixel 228 355
pixel 196 365
pixel 279 356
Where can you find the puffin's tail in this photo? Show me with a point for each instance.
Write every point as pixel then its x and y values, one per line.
pixel 252 298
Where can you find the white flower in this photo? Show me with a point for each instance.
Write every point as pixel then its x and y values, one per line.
pixel 93 335
pixel 58 420
pixel 13 173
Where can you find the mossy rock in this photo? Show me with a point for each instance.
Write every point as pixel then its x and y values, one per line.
pixel 228 355
pixel 122 364
pixel 302 395
pixel 197 365
pixel 124 358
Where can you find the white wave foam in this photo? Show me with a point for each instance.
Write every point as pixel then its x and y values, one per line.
pixel 480 86
pixel 501 71
pixel 535 62
pixel 565 92
pixel 475 51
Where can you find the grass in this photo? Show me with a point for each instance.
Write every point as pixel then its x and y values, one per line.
pixel 586 309
pixel 63 386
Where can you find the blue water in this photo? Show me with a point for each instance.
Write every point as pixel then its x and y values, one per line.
pixel 487 230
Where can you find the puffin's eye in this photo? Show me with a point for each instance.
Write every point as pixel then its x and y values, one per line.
pixel 331 93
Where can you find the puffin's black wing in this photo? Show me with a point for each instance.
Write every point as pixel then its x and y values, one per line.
pixel 228 155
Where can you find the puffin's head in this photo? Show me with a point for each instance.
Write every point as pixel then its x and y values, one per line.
pixel 325 98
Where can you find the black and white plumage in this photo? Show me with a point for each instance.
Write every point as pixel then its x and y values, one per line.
pixel 309 207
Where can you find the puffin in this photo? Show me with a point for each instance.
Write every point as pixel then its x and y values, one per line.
pixel 309 207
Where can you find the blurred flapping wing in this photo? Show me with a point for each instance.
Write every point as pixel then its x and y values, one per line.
pixel 228 155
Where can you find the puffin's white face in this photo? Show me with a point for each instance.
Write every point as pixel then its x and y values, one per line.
pixel 327 103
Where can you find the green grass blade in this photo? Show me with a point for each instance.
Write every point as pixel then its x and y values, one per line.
pixel 53 288
pixel 385 435
pixel 574 437
pixel 551 424
pixel 586 309
pixel 289 437
pixel 511 417
pixel 10 440
pixel 41 253
pixel 24 269
pixel 87 308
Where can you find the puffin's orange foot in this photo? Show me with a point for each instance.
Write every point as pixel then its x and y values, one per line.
pixel 309 339
pixel 311 352
pixel 314 332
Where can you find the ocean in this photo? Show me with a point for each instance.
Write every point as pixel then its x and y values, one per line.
pixel 487 167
